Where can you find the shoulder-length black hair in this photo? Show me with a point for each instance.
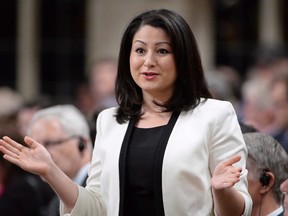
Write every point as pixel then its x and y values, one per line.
pixel 190 84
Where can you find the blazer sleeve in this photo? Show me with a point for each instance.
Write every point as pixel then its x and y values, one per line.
pixel 226 141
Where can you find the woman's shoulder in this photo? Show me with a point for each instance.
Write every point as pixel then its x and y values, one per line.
pixel 108 114
pixel 214 104
pixel 211 110
pixel 108 111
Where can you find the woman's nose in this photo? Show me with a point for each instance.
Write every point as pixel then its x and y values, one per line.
pixel 149 60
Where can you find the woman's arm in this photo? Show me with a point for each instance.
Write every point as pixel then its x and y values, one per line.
pixel 228 155
pixel 227 200
pixel 36 159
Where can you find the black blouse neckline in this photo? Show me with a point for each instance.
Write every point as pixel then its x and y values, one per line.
pixel 157 182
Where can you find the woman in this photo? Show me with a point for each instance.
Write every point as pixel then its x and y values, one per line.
pixel 168 149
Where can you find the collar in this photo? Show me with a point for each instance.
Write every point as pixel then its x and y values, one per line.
pixel 82 174
pixel 277 211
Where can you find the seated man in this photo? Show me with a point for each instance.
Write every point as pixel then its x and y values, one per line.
pixel 267 165
pixel 65 133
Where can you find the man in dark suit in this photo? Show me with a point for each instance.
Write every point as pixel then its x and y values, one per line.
pixel 64 131
pixel 53 207
pixel 21 193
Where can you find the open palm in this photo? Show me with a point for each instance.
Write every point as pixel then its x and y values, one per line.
pixel 225 174
pixel 34 158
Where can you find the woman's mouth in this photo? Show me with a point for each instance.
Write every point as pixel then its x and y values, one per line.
pixel 149 75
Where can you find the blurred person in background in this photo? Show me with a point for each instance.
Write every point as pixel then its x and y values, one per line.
pixel 64 132
pixel 21 193
pixel 263 105
pixel 284 190
pixel 97 91
pixel 101 77
pixel 101 82
pixel 223 83
pixel 257 108
pixel 28 109
pixel 83 99
pixel 268 60
pixel 233 78
pixel 219 87
pixel 279 98
pixel 11 102
pixel 267 166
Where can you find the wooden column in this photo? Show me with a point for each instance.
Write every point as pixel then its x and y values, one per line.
pixel 27 49
pixel 106 20
pixel 270 31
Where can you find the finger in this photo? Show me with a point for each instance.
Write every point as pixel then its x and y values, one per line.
pixel 235 175
pixel 12 159
pixel 231 179
pixel 235 170
pixel 13 144
pixel 227 183
pixel 239 169
pixel 31 142
pixel 233 160
pixel 8 152
pixel 8 148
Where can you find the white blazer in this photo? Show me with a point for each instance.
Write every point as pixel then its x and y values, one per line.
pixel 200 139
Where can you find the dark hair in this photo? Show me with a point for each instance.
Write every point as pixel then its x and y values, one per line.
pixel 190 83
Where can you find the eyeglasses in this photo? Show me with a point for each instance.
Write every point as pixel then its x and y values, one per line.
pixel 58 142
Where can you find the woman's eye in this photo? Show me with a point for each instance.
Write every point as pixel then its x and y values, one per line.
pixel 140 50
pixel 163 51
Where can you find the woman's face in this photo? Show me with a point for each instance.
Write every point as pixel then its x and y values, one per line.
pixel 152 62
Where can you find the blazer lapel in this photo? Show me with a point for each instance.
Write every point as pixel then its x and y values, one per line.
pixel 159 162
pixel 122 164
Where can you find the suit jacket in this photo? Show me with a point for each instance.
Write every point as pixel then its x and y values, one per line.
pixel 200 139
pixel 25 195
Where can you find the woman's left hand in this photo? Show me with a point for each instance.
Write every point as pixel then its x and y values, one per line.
pixel 225 174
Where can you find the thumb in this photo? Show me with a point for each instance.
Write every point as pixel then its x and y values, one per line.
pixel 30 142
pixel 233 159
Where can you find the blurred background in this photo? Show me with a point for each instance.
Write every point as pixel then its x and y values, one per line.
pixel 65 52
pixel 47 46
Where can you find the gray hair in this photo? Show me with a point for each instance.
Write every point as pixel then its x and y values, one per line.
pixel 71 119
pixel 264 152
pixel 259 91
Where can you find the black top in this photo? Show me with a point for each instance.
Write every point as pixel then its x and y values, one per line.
pixel 139 193
pixel 25 195
pixel 160 137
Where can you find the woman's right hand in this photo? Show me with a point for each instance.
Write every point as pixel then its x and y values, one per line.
pixel 34 158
